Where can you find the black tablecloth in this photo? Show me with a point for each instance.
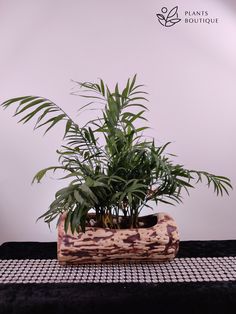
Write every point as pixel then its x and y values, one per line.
pixel 185 297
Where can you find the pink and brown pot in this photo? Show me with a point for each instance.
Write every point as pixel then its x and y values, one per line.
pixel 159 242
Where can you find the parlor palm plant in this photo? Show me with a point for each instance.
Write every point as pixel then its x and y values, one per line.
pixel 114 169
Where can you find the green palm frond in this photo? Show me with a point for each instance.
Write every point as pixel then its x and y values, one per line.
pixel 48 114
pixel 114 169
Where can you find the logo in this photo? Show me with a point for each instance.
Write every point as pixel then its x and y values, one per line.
pixel 170 18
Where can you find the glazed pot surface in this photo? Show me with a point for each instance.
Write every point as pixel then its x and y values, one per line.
pixel 159 242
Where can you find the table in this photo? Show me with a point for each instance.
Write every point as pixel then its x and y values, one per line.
pixel 202 279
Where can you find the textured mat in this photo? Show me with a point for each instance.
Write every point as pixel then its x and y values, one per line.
pixel 198 269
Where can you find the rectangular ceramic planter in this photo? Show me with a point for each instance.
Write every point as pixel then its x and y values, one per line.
pixel 99 245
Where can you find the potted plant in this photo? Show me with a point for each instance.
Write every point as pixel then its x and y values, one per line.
pixel 115 172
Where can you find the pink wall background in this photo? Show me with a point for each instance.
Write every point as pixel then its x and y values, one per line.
pixel 189 71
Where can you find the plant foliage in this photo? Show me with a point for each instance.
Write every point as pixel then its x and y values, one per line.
pixel 119 177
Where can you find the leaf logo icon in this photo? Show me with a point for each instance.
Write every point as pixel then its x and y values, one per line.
pixel 172 13
pixel 170 18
